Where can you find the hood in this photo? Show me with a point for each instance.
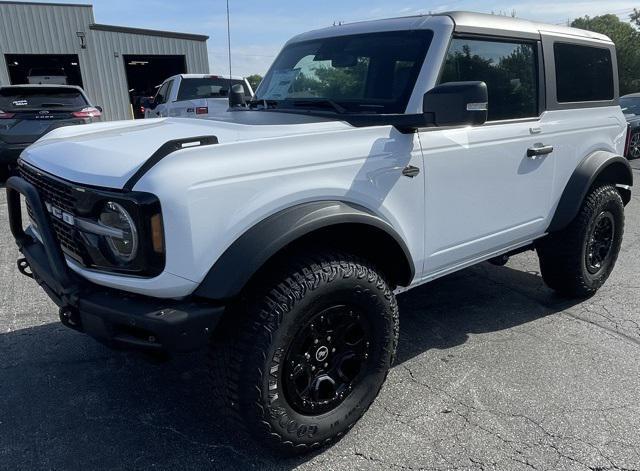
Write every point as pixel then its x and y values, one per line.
pixel 108 154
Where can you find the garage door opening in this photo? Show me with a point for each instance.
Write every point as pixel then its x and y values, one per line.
pixel 56 69
pixel 146 73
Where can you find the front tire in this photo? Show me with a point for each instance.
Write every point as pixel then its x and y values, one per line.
pixel 578 260
pixel 305 357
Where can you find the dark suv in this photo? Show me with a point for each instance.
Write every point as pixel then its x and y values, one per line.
pixel 28 112
pixel 631 108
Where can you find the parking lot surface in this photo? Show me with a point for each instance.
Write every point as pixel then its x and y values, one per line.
pixel 493 372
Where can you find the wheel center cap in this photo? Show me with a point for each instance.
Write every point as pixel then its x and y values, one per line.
pixel 322 353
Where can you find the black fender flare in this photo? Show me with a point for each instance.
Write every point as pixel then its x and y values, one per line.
pixel 599 166
pixel 237 265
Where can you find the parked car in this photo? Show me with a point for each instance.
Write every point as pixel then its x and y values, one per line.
pixel 194 96
pixel 47 76
pixel 631 108
pixel 28 112
pixel 375 157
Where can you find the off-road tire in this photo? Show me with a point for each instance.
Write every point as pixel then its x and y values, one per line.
pixel 249 348
pixel 564 255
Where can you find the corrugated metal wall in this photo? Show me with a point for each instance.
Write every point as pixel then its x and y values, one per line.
pixel 42 29
pixel 51 29
pixel 107 51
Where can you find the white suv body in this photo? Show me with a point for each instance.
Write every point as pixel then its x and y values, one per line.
pixel 195 96
pixel 397 175
pixel 479 194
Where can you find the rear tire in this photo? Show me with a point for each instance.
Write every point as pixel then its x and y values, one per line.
pixel 302 359
pixel 577 261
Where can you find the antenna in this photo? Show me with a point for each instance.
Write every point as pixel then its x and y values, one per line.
pixel 229 39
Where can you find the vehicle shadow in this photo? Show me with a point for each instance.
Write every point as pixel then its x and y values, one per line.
pixel 67 402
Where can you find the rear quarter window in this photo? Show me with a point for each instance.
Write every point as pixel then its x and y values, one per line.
pixel 583 73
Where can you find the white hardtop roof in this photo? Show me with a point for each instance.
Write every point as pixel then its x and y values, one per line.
pixel 464 22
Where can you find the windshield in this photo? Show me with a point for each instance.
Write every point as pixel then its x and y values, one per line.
pixel 23 98
pixel 630 105
pixel 208 87
pixel 366 73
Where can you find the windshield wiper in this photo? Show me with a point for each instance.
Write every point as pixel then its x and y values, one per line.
pixel 320 103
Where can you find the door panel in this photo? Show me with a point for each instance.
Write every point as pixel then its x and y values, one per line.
pixel 483 192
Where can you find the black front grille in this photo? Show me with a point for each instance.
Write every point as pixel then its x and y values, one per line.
pixel 61 195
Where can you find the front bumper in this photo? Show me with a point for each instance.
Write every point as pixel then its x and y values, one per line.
pixel 116 318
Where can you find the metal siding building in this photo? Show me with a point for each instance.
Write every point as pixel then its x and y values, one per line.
pixel 47 29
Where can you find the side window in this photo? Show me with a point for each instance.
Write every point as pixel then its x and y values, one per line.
pixel 583 73
pixel 509 69
pixel 161 96
pixel 167 95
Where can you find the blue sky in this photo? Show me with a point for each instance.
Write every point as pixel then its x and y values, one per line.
pixel 260 27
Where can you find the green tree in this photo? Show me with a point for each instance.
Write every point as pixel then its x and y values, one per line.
pixel 635 17
pixel 254 80
pixel 626 39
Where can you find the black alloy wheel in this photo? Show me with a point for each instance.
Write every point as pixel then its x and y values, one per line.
pixel 634 146
pixel 600 242
pixel 325 360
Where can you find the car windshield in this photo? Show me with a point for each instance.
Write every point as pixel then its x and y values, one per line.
pixel 24 98
pixel 208 87
pixel 630 105
pixel 366 73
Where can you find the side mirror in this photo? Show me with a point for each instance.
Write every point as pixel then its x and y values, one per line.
pixel 457 103
pixel 236 96
pixel 99 108
pixel 151 104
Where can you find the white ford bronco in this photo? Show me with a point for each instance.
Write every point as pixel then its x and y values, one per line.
pixel 375 157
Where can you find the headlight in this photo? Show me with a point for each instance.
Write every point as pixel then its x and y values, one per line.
pixel 123 240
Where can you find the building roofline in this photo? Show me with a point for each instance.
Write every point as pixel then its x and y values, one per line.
pixel 10 2
pixel 148 32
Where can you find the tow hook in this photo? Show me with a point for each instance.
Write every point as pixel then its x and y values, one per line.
pixel 69 317
pixel 24 268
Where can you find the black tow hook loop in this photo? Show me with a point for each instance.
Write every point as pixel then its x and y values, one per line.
pixel 24 268
pixel 69 316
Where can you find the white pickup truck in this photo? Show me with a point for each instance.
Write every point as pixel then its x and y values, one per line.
pixel 195 96
pixel 376 157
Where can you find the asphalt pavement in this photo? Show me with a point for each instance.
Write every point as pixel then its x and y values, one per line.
pixel 494 372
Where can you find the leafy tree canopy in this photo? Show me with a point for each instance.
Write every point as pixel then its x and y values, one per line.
pixel 254 80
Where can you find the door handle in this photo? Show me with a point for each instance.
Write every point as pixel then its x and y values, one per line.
pixel 539 150
pixel 410 171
